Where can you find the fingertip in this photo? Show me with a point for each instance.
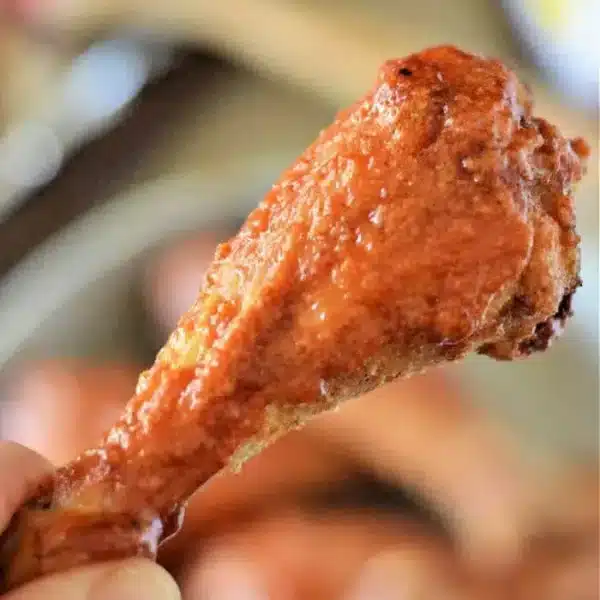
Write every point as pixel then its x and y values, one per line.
pixel 20 469
pixel 133 579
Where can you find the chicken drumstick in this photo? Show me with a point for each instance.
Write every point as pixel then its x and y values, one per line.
pixel 433 218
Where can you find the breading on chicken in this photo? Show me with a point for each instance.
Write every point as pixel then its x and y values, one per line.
pixel 433 218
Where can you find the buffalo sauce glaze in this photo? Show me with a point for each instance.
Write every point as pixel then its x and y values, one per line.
pixel 432 218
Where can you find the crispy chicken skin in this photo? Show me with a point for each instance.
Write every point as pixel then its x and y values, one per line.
pixel 431 219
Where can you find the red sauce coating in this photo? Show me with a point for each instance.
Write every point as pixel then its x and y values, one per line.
pixel 432 218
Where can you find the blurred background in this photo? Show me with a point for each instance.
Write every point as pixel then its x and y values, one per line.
pixel 134 135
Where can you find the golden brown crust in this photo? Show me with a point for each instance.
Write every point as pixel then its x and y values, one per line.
pixel 433 218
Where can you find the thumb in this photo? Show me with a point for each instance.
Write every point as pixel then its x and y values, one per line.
pixel 127 580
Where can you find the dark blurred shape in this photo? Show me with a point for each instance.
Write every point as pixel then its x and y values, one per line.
pixel 100 169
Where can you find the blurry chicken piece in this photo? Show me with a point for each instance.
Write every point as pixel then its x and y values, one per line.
pixel 433 218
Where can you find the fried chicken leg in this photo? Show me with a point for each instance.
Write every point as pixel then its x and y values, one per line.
pixel 431 219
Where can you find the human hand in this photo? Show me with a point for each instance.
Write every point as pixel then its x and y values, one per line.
pixel 132 579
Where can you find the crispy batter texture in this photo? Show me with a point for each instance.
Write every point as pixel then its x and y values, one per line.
pixel 431 219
